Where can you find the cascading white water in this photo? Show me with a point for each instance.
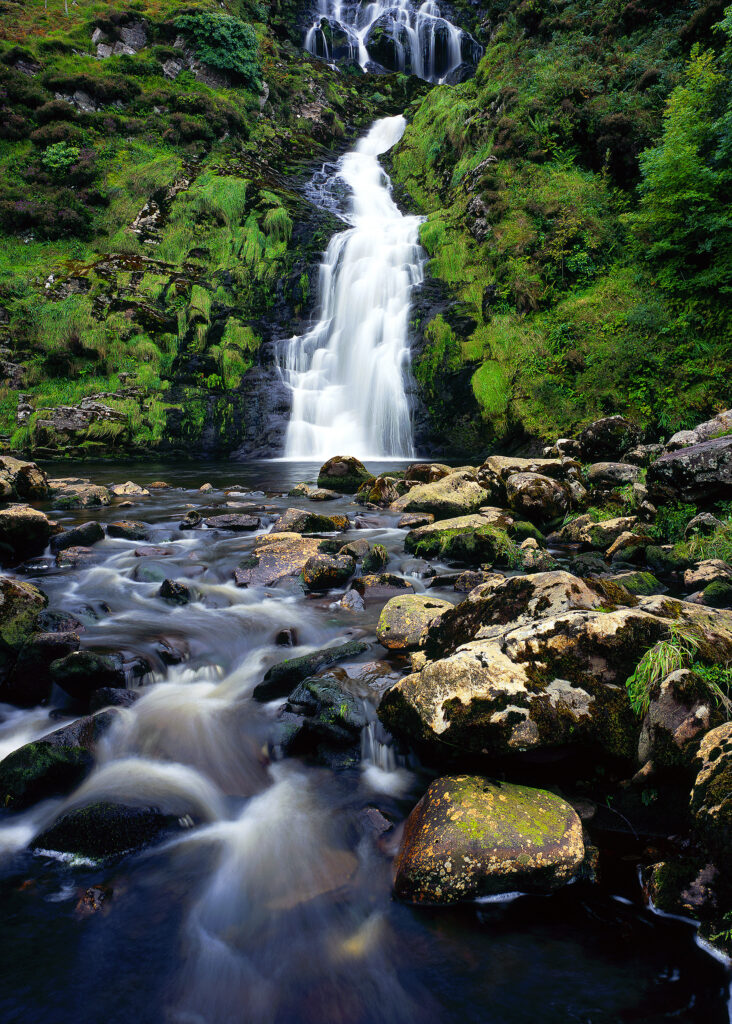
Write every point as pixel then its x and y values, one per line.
pixel 348 373
pixel 416 39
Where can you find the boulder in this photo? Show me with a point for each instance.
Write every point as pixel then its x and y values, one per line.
pixel 718 426
pixel 296 520
pixel 537 498
pixel 322 494
pixel 191 520
pixel 717 594
pixel 606 475
pixel 414 519
pixel 329 714
pixel 24 533
pixel 113 697
pixel 54 764
pixel 30 682
pixel 377 586
pixel 81 672
pixel 679 713
pixel 176 593
pixel 107 829
pixel 25 479
pixel 357 549
pixel 711 797
pixel 382 491
pixel 321 572
pixel 702 525
pixel 637 582
pixel 276 558
pixel 79 536
pixel 702 472
pixel 128 529
pixel 711 570
pixel 403 619
pixel 470 837
pixel 77 492
pixel 609 437
pixel 20 607
pixel 585 531
pixel 235 523
pixel 426 472
pixel 643 454
pixel 300 490
pixel 129 490
pixel 470 539
pixel 377 558
pixel 343 473
pixel 77 557
pixel 456 494
pixel 282 677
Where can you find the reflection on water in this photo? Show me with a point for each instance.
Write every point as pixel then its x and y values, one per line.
pixel 275 906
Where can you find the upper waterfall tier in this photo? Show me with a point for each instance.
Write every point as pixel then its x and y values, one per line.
pixel 348 373
pixel 393 35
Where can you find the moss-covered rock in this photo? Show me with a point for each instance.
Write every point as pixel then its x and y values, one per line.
pixel 375 559
pixel 106 829
pixel 711 797
pixel 321 572
pixel 456 494
pixel 403 620
pixel 20 606
pixel 471 540
pixel 81 672
pixel 296 520
pixel 470 837
pixel 282 677
pixel 343 473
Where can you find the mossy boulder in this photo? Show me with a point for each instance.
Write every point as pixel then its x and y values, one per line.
pixel 718 594
pixel 343 473
pixel 536 497
pixel 638 582
pixel 322 713
pixel 377 558
pixel 280 678
pixel 81 672
pixel 24 533
pixel 382 491
pixel 106 829
pixel 711 797
pixel 297 520
pixel 470 837
pixel 321 572
pixel 403 620
pixel 680 711
pixel 20 606
pixel 29 682
pixel 469 540
pixel 456 494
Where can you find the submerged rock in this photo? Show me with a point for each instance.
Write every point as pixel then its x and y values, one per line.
pixel 470 837
pixel 106 829
pixel 280 679
pixel 403 620
pixel 80 673
pixel 176 593
pixel 343 473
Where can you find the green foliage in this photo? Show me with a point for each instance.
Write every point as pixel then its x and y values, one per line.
pixel 671 521
pixel 224 43
pixel 59 157
pixel 714 545
pixel 659 661
pixel 277 224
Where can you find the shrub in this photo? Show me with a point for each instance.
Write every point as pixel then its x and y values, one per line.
pixel 224 43
pixel 58 158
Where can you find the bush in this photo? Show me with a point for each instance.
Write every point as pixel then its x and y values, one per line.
pixel 224 43
pixel 59 158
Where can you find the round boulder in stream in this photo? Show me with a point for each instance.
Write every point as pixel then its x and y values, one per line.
pixel 403 619
pixel 343 473
pixel 470 837
pixel 321 572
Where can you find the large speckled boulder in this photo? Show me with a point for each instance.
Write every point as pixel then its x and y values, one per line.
pixel 77 492
pixel 711 797
pixel 24 533
pixel 297 520
pixel 702 472
pixel 403 619
pixel 276 558
pixel 456 494
pixel 585 531
pixel 536 497
pixel 343 473
pixel 470 837
pixel 321 572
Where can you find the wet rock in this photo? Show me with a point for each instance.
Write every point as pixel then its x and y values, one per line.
pixel 235 523
pixel 414 519
pixel 470 837
pixel 638 582
pixel 158 485
pixel 153 551
pixel 113 697
pixel 711 797
pixel 418 568
pixel 295 520
pixel 129 489
pixel 53 765
pixel 24 533
pixel 469 539
pixel 80 673
pixel 321 572
pixel 352 601
pixel 679 713
pixel 702 472
pixel 472 578
pixel 332 715
pixel 191 520
pixel 711 570
pixel 537 498
pixel 403 620
pixel 453 495
pixel 76 492
pixel 426 472
pixel 609 437
pixel 379 586
pixel 322 494
pixel 23 480
pixel 298 491
pixel 79 536
pixel 128 529
pixel 377 558
pixel 21 604
pixel 343 473
pixel 276 558
pixel 286 638
pixel 176 593
pixel 106 829
pixel 76 557
pixel 716 427
pixel 355 549
pixel 382 491
pixel 205 488
pixel 612 474
pixel 281 678
pixel 684 886
pixel 30 681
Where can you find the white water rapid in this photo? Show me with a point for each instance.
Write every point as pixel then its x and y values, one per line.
pixel 348 373
pixel 394 34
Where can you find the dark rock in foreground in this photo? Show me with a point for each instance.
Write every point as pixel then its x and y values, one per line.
pixel 280 678
pixel 106 829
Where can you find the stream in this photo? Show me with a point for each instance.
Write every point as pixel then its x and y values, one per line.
pixel 276 907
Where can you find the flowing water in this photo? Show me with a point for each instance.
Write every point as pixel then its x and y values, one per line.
pixel 274 905
pixel 348 374
pixel 418 40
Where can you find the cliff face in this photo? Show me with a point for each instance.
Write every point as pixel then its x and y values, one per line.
pixel 157 238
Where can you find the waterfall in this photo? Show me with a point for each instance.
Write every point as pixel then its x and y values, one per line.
pixel 347 374
pixel 389 33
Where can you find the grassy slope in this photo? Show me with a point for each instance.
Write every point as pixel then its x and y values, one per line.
pixel 527 174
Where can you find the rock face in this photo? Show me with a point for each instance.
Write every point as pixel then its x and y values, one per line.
pixel 276 558
pixel 701 472
pixel 24 533
pixel 296 520
pixel 343 473
pixel 711 797
pixel 456 494
pixel 470 837
pixel 403 619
